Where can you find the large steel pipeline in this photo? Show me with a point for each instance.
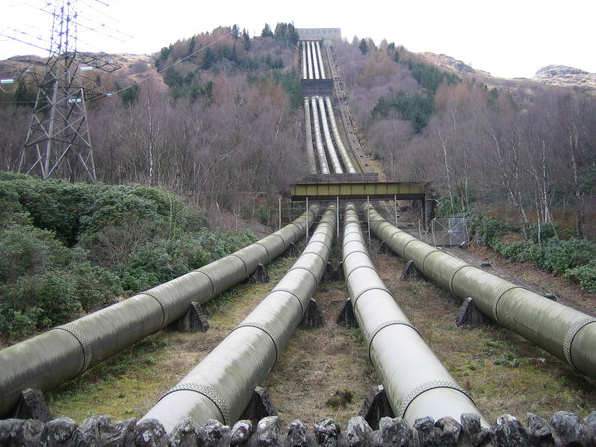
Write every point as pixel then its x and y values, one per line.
pixel 318 140
pixel 315 66
pixel 415 381
pixel 320 59
pixel 340 146
pixel 310 150
pixel 309 60
pixel 50 359
pixel 221 385
pixel 304 62
pixel 315 60
pixel 566 333
pixel 328 140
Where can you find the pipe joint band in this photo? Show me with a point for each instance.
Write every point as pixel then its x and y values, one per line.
pixel 425 257
pixel 291 292
pixel 206 391
pixel 316 254
pixel 319 242
pixel 393 235
pixel 498 298
pixel 264 329
pixel 281 239
pixel 423 388
pixel 383 326
pixel 570 336
pixel 266 251
pixel 210 281
pixel 457 270
pixel 355 251
pixel 363 291
pixel 403 252
pixel 243 263
pixel 307 270
pixel 361 267
pixel 353 240
pixel 164 309
pixel 83 341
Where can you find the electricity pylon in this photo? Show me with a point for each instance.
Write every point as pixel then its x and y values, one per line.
pixel 58 142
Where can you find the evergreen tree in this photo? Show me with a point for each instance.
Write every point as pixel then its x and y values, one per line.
pixel 267 31
pixel 363 46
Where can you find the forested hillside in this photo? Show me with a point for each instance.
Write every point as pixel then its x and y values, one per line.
pixel 514 143
pixel 217 118
pixel 219 121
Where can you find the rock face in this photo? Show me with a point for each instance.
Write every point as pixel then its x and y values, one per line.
pixel 564 429
pixel 564 76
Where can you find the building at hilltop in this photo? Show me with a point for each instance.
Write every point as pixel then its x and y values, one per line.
pixel 327 35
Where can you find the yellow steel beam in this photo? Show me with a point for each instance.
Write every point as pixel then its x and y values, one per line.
pixel 358 190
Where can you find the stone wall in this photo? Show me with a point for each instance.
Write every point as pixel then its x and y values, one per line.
pixel 563 429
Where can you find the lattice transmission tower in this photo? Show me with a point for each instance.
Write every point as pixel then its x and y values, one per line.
pixel 58 142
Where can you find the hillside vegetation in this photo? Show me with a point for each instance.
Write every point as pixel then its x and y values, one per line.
pixel 66 248
pixel 516 143
pixel 216 118
pixel 219 122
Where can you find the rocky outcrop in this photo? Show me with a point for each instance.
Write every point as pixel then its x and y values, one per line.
pixel 564 76
pixel 563 429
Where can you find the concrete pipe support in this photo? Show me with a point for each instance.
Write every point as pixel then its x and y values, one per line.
pixel 50 359
pixel 416 383
pixel 221 385
pixel 566 333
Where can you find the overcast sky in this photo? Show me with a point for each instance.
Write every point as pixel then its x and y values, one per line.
pixel 508 38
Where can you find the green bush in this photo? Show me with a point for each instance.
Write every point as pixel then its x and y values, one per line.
pixel 67 248
pixel 491 230
pixel 585 275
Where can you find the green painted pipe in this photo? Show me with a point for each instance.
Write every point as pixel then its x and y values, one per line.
pixel 54 357
pixel 222 384
pixel 415 381
pixel 566 333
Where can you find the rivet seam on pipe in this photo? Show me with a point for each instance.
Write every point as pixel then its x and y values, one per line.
pixel 243 263
pixel 316 254
pixel 206 391
pixel 355 251
pixel 426 256
pixel 392 236
pixel 83 341
pixel 291 293
pixel 291 227
pixel 165 315
pixel 357 231
pixel 382 326
pixel 361 267
pixel 319 242
pixel 498 298
pixel 261 327
pixel 570 336
pixel 423 388
pixel 210 281
pixel 363 291
pixel 266 251
pixel 281 239
pixel 354 240
pixel 403 252
pixel 456 272
pixel 304 268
